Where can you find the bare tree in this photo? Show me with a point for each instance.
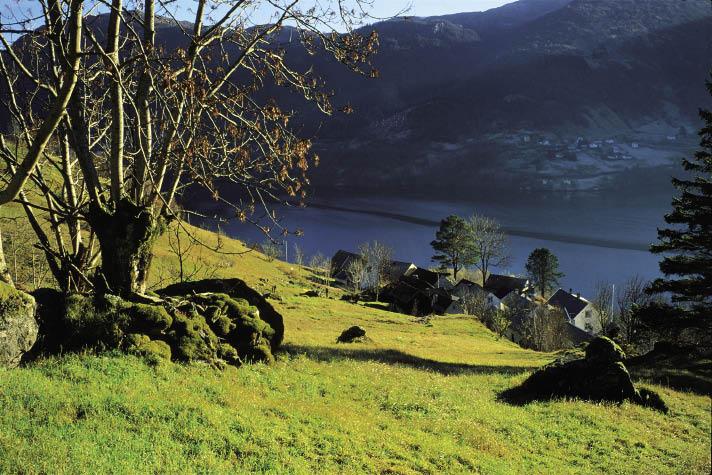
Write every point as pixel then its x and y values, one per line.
pixel 500 321
pixel 475 303
pixel 603 304
pixel 271 250
pixel 298 255
pixel 517 311
pixel 489 244
pixel 135 121
pixel 321 267
pixel 182 246
pixel 355 274
pixel 5 275
pixel 39 75
pixel 378 259
pixel 545 329
pixel 633 294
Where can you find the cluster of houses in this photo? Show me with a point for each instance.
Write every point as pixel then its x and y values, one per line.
pixel 416 291
pixel 607 149
pixel 568 148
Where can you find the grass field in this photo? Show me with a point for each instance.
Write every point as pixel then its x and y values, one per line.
pixel 418 398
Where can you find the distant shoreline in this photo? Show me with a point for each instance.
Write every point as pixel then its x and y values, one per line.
pixel 545 236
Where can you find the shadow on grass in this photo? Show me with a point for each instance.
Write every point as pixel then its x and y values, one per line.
pixel 683 371
pixel 396 357
pixel 379 306
pixel 517 396
pixel 671 378
pixel 314 279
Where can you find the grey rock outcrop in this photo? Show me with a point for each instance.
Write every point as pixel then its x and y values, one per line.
pixel 18 327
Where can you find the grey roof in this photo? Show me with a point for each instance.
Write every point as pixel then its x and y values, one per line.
pixel 569 302
pixel 465 286
pixel 340 262
pixel 426 276
pixel 414 293
pixel 503 285
pixel 407 287
pixel 468 284
pixel 399 268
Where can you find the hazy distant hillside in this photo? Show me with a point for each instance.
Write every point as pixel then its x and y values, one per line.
pixel 632 69
pixel 506 17
pixel 481 94
pixel 582 25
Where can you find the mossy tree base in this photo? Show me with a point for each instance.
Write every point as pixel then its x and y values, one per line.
pixel 213 328
pixel 126 237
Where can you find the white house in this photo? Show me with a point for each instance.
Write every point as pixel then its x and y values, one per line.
pixel 579 311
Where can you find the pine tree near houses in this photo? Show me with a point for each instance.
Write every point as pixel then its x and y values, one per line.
pixel 454 244
pixel 687 244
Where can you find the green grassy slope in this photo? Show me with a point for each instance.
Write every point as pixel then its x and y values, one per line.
pixel 417 399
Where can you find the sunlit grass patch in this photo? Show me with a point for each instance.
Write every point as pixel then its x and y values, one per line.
pixel 417 398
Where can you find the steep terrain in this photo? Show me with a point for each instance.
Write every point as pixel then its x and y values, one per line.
pixel 457 95
pixel 419 398
pixel 630 70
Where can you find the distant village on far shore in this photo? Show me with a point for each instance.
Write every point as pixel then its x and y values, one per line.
pixel 582 162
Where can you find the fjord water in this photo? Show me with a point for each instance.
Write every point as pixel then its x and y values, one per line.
pixel 596 236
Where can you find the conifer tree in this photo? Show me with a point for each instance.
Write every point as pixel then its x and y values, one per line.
pixel 543 270
pixel 687 243
pixel 454 244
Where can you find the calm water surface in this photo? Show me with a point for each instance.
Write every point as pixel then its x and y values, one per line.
pixel 596 237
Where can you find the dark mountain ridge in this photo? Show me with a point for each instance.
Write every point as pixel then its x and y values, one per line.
pixel 590 68
pixel 458 94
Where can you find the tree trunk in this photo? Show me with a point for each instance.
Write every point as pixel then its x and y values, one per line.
pixel 126 237
pixel 5 275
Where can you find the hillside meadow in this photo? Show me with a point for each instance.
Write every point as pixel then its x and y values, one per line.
pixel 420 397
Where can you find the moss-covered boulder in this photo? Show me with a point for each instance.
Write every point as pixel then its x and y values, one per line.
pixel 150 319
pixel 353 334
pixel 209 327
pixel 18 327
pixel 599 376
pixel 142 345
pixel 94 324
pixel 229 354
pixel 76 322
pixel 192 339
pixel 236 289
pixel 234 322
pixel 603 350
